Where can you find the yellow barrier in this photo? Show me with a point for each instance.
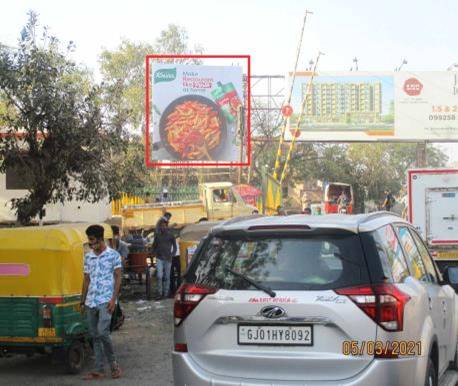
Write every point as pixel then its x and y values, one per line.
pixel 117 205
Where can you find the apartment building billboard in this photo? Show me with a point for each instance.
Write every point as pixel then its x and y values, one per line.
pixel 369 106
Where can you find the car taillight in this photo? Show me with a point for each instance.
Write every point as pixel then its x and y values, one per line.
pixel 46 314
pixel 383 303
pixel 187 298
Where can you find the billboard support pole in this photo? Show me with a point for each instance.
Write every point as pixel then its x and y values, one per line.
pixel 421 154
pixel 288 100
pixel 299 120
pixel 240 126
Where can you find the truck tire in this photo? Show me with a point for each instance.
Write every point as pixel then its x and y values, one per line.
pixel 75 357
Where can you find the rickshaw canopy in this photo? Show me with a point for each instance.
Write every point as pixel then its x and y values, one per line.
pixel 195 232
pixel 43 261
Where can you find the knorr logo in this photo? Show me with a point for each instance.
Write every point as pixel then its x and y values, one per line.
pixel 165 75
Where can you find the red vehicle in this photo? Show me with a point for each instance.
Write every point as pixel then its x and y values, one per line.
pixel 332 192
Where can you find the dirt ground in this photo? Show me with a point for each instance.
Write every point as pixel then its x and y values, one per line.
pixel 143 346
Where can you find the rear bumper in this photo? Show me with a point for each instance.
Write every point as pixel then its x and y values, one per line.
pixel 399 372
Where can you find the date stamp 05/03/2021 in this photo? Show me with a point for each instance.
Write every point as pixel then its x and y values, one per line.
pixel 376 347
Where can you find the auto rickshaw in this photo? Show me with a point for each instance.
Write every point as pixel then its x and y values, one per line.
pixel 41 276
pixel 190 236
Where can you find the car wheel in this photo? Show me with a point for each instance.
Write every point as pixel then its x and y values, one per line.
pixel 75 357
pixel 431 376
pixel 454 363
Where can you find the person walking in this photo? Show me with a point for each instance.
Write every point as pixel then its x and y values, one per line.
pixel 164 247
pixel 101 285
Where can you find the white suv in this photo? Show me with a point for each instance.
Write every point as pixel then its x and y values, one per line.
pixel 314 300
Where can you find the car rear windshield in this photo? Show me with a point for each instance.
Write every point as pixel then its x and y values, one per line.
pixel 282 263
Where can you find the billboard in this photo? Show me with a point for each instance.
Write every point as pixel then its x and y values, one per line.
pixel 195 115
pixel 369 106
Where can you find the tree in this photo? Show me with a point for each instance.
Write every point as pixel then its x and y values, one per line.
pixel 174 40
pixel 369 168
pixel 123 72
pixel 55 132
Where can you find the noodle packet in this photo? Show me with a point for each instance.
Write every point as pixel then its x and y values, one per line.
pixel 226 97
pixel 234 100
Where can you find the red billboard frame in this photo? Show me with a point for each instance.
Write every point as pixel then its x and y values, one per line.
pixel 147 112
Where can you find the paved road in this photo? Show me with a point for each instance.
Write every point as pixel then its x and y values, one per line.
pixel 143 347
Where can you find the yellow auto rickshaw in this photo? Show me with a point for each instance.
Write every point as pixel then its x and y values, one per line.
pixel 190 237
pixel 41 276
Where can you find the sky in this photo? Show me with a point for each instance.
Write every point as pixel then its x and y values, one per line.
pixel 379 34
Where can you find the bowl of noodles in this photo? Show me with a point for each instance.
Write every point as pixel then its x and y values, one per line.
pixel 193 127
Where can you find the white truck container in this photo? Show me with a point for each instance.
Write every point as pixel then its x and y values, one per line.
pixel 433 210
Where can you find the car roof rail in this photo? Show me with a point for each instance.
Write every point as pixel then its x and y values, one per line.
pixel 375 215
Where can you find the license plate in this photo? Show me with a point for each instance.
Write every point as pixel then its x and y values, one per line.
pixel 273 335
pixel 46 332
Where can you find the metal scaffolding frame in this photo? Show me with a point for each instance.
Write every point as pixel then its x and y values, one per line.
pixel 267 98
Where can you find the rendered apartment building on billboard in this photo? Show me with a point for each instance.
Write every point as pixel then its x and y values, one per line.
pixel 343 102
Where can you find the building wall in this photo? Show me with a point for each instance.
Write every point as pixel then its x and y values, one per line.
pixel 73 211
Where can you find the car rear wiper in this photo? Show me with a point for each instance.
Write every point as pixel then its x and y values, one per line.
pixel 267 290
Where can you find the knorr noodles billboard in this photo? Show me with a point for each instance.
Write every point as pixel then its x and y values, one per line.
pixel 369 106
pixel 194 113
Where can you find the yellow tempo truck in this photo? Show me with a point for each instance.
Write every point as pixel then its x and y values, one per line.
pixel 217 201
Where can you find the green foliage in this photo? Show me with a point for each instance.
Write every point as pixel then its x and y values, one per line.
pixel 123 72
pixel 123 85
pixel 174 40
pixel 53 103
pixel 369 167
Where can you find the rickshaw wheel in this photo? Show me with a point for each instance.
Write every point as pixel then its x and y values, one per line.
pixel 75 357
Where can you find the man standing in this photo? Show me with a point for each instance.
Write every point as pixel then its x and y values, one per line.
pixel 166 217
pixel 342 202
pixel 389 201
pixel 165 247
pixel 165 194
pixel 123 249
pixel 118 245
pixel 102 281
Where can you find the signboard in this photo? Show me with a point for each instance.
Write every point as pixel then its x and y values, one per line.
pixel 196 114
pixel 369 106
